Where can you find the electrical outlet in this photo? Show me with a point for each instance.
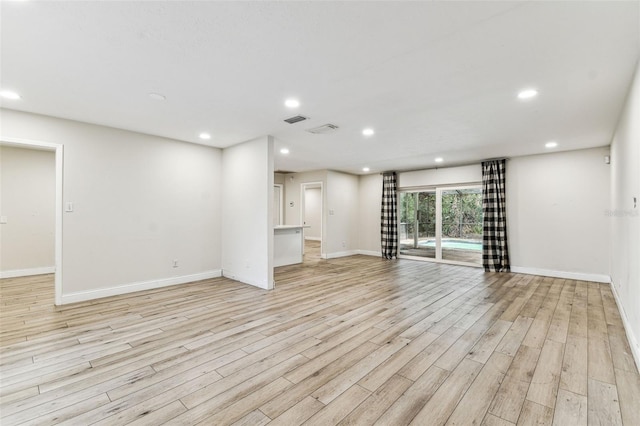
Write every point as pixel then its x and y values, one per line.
pixel 175 263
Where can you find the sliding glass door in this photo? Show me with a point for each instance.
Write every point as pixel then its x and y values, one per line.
pixel 417 231
pixel 442 224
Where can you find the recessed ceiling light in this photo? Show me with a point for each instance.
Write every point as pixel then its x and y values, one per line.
pixel 368 132
pixel 551 144
pixel 284 151
pixel 8 94
pixel 292 103
pixel 157 96
pixel 205 136
pixel 365 169
pixel 528 94
pixel 438 160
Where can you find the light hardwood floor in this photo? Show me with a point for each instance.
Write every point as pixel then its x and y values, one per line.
pixel 356 340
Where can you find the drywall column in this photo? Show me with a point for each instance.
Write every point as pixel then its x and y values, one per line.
pixel 247 212
pixel 624 216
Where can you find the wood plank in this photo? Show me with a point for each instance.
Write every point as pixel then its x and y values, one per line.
pixel 475 403
pixel 604 408
pixel 571 409
pixel 446 398
pixel 378 402
pixel 544 383
pixel 535 414
pixel 413 400
pixel 574 366
pixel 511 342
pixel 491 420
pixel 298 413
pixel 340 407
pixel 254 418
pixel 628 384
pixel 348 378
pixel 511 395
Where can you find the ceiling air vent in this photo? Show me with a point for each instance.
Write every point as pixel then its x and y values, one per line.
pixel 296 119
pixel 324 129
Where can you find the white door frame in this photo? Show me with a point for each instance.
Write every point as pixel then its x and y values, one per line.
pixel 303 187
pixel 58 149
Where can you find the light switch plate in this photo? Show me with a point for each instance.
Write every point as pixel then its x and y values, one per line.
pixel 68 207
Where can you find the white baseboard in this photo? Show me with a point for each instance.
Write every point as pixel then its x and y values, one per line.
pixel 633 341
pixel 341 254
pixel 313 238
pixel 370 253
pixel 139 286
pixel 28 272
pixel 243 279
pixel 598 278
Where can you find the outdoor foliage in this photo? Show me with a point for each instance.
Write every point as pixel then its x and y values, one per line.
pixel 461 214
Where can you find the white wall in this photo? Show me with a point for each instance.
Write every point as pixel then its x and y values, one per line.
pixel 370 196
pixel 342 214
pixel 292 188
pixel 624 215
pixel 140 202
pixel 555 214
pixel 313 213
pixel 27 202
pixel 440 176
pixel 555 210
pixel 247 212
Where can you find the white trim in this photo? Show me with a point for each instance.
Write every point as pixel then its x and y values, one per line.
pixel 281 218
pixel 233 276
pixel 369 253
pixel 313 238
pixel 28 272
pixel 139 286
pixel 633 342
pixel 341 254
pixel 59 156
pixel 581 276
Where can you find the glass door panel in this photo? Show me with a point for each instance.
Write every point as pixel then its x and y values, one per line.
pixel 462 225
pixel 417 224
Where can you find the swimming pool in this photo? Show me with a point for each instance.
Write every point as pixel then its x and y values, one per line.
pixel 454 244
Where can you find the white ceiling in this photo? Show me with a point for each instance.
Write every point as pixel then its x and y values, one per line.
pixel 432 78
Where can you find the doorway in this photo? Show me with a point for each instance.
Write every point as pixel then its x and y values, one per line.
pixel 58 152
pixel 441 224
pixel 311 206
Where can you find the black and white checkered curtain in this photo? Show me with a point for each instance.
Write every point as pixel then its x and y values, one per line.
pixel 389 217
pixel 495 253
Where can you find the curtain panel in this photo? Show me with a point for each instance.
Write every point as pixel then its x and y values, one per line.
pixel 389 216
pixel 495 252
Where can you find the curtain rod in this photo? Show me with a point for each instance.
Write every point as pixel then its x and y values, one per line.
pixel 447 167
